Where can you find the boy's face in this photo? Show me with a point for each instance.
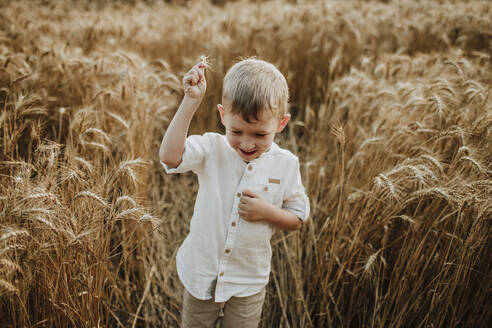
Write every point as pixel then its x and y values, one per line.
pixel 250 140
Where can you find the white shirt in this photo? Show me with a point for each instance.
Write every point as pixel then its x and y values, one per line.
pixel 222 249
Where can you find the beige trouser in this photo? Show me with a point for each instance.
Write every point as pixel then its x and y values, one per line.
pixel 238 312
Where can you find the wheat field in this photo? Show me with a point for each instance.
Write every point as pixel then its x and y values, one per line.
pixel 391 109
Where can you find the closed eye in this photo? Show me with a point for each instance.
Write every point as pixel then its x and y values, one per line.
pixel 260 135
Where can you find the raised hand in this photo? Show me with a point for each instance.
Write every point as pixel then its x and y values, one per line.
pixel 194 82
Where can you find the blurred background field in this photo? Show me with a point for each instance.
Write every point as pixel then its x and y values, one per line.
pixel 391 117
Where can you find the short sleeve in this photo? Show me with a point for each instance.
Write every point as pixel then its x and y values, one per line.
pixel 295 199
pixel 197 148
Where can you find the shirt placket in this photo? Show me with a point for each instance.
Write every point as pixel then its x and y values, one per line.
pixel 232 231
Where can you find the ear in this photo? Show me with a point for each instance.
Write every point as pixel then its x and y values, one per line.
pixel 283 122
pixel 221 112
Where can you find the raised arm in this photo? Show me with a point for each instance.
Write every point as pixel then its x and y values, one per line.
pixel 173 142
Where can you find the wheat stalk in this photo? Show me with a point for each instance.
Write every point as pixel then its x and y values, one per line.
pixel 12 234
pixel 92 195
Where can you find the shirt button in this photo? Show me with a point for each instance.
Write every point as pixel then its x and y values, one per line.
pixel 238 194
pixel 227 250
pixel 250 167
pixel 221 274
pixel 233 223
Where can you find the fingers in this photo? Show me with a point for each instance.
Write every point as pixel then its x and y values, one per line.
pixel 200 67
pixel 244 201
pixel 249 193
pixel 244 207
pixel 245 215
pixel 199 73
pixel 191 78
pixel 242 210
pixel 199 70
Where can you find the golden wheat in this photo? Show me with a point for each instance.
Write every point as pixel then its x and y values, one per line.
pixel 391 119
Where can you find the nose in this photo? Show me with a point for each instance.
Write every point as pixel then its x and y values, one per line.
pixel 247 144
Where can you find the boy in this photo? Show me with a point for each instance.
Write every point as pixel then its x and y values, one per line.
pixel 248 186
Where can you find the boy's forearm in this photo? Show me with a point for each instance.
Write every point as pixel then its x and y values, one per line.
pixel 173 142
pixel 282 219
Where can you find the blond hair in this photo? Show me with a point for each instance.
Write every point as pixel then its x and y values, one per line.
pixel 252 86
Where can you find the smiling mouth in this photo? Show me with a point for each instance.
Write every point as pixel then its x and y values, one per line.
pixel 247 153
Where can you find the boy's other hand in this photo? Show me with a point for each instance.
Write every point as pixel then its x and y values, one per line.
pixel 194 82
pixel 252 207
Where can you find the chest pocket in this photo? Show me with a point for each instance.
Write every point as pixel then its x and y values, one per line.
pixel 269 191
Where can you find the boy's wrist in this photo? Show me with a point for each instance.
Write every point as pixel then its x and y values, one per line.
pixel 268 212
pixel 191 103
